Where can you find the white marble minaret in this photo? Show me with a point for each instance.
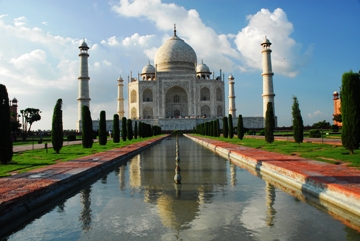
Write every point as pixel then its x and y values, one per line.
pixel 232 109
pixel 120 99
pixel 268 88
pixel 84 94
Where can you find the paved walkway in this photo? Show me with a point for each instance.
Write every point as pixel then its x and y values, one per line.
pixel 21 148
pixel 25 195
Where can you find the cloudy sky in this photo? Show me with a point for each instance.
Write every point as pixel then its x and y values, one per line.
pixel 313 43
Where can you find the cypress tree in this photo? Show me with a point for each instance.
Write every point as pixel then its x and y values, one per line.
pixel 57 134
pixel 102 128
pixel 298 125
pixel 214 128
pixel 240 128
pixel 87 131
pixel 217 128
pixel 225 127
pixel 130 133
pixel 231 127
pixel 269 123
pixel 116 129
pixel 140 129
pixel 135 130
pixel 350 111
pixel 123 129
pixel 6 145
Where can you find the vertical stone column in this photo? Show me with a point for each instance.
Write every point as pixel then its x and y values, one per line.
pixel 120 99
pixel 232 109
pixel 84 94
pixel 268 89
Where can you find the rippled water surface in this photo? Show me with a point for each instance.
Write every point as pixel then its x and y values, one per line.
pixel 217 200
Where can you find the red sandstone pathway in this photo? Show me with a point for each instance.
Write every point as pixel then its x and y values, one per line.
pixel 342 181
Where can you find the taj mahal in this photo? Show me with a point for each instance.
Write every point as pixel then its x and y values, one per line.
pixel 177 92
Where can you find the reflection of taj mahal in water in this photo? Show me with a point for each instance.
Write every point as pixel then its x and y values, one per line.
pixel 178 93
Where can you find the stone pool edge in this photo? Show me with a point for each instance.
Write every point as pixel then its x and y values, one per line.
pixel 31 193
pixel 338 193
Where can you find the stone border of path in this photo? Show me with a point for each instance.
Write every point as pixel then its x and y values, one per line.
pixel 337 185
pixel 25 196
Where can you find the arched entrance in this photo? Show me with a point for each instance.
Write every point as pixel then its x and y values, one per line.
pixel 176 102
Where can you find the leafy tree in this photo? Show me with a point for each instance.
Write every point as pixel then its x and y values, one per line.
pixel 350 110
pixel 30 115
pixel 322 125
pixel 130 133
pixel 269 123
pixel 57 133
pixel 240 128
pixel 135 130
pixel 231 127
pixel 116 129
pixel 102 128
pixel 6 145
pixel 123 129
pixel 87 130
pixel 297 121
pixel 337 118
pixel 225 127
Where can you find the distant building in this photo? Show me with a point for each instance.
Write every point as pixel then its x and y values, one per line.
pixel 13 110
pixel 337 107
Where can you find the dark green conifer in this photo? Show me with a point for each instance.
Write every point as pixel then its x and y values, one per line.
pixel 298 126
pixel 57 133
pixel 231 127
pixel 6 145
pixel 116 129
pixel 225 127
pixel 240 128
pixel 269 123
pixel 123 129
pixel 87 131
pixel 102 128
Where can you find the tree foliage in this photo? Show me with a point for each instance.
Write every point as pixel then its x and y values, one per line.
pixel 350 110
pixel 30 115
pixel 225 127
pixel 240 128
pixel 123 129
pixel 116 129
pixel 102 128
pixel 322 125
pixel 130 132
pixel 135 130
pixel 231 127
pixel 337 118
pixel 6 145
pixel 87 130
pixel 57 133
pixel 297 121
pixel 269 123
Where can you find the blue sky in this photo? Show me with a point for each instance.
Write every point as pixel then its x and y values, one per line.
pixel 313 43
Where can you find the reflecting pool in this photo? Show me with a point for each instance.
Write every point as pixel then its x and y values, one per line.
pixel 217 200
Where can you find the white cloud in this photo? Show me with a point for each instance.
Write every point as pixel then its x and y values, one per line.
pixel 315 114
pixel 106 62
pixel 37 56
pixel 3 15
pixel 20 21
pixel 45 23
pixel 286 57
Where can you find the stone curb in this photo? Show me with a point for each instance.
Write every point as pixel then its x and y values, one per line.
pixel 337 185
pixel 25 196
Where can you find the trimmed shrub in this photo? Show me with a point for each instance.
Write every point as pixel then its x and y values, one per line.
pixel 57 134
pixel 123 129
pixel 314 133
pixel 116 129
pixel 231 127
pixel 262 133
pixel 87 131
pixel 225 127
pixel 102 129
pixel 71 137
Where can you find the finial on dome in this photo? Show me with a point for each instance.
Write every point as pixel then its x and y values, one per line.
pixel 174 29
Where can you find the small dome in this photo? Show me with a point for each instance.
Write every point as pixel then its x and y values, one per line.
pixel 202 68
pixel 14 100
pixel 336 93
pixel 84 45
pixel 231 77
pixel 148 69
pixel 175 54
pixel 266 41
pixel 120 79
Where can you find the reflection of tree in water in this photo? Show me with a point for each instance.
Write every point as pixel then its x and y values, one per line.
pixel 122 177
pixel 104 179
pixel 85 215
pixel 60 208
pixel 233 174
pixel 270 200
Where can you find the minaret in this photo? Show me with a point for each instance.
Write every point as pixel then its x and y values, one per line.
pixel 84 95
pixel 120 99
pixel 232 109
pixel 268 89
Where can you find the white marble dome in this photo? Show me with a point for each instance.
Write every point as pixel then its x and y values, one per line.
pixel 175 54
pixel 148 69
pixel 202 68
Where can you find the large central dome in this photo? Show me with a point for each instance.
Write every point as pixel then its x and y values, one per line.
pixel 175 54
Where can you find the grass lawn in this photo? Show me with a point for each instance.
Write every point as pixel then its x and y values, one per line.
pixel 28 160
pixel 320 152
